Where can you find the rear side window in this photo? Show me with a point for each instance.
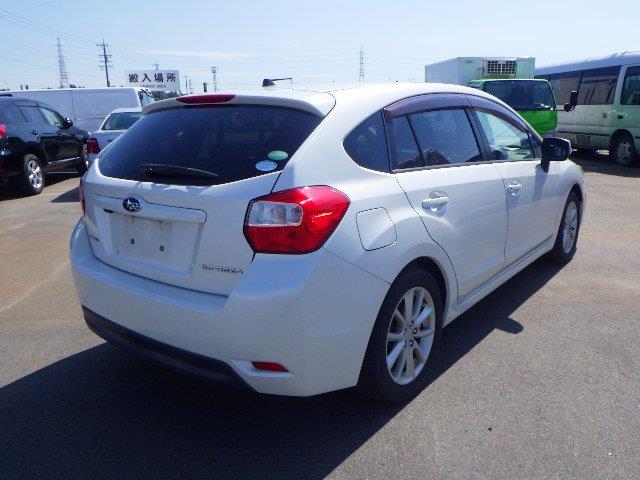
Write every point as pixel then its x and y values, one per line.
pixel 367 144
pixel 32 114
pixel 11 115
pixel 598 86
pixel 445 137
pixel 234 142
pixel 121 121
pixel 563 84
pixel 405 148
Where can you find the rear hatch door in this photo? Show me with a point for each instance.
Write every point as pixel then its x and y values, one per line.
pixel 168 200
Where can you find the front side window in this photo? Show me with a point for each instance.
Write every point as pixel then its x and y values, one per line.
pixel 52 117
pixel 367 144
pixel 405 147
pixel 563 84
pixel 445 137
pixel 233 142
pixel 631 87
pixel 598 86
pixel 121 121
pixel 506 141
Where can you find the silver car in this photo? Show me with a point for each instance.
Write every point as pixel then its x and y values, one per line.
pixel 116 123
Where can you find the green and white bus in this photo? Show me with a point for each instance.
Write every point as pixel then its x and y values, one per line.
pixel 606 114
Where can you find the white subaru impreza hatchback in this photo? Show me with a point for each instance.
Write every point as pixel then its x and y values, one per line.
pixel 309 241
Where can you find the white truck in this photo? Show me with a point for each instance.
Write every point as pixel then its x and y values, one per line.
pixel 462 70
pixel 87 107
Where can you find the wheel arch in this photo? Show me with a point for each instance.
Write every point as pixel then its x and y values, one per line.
pixel 35 149
pixel 431 266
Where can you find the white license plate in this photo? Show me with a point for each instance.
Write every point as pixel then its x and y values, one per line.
pixel 146 239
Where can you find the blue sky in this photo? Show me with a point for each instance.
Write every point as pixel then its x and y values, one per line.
pixel 311 41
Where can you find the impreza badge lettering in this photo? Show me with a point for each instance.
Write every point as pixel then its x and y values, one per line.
pixel 131 204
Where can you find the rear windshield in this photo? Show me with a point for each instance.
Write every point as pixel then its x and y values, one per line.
pixel 522 94
pixel 233 142
pixel 121 121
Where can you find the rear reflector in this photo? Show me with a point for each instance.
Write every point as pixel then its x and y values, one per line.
pixel 207 98
pixel 3 130
pixel 92 145
pixel 269 367
pixel 294 221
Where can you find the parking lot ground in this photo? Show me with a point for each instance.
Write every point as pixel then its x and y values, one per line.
pixel 540 380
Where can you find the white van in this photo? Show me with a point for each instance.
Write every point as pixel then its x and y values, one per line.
pixel 87 107
pixel 607 114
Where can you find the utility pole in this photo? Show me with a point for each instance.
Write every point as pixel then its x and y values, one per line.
pixel 186 84
pixel 64 77
pixel 361 72
pixel 204 87
pixel 190 87
pixel 214 73
pixel 156 64
pixel 106 60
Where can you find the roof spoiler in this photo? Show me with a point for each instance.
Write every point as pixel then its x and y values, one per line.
pixel 271 82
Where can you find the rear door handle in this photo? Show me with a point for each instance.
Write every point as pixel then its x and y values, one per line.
pixel 435 203
pixel 514 188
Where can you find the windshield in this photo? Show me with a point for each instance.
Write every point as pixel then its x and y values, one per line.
pixel 234 142
pixel 522 94
pixel 121 121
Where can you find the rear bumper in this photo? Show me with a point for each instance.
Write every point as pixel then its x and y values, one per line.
pixel 174 357
pixel 311 313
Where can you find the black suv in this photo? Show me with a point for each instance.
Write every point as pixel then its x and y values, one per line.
pixel 35 139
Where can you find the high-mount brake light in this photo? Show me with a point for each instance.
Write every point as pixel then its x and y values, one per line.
pixel 206 98
pixel 294 221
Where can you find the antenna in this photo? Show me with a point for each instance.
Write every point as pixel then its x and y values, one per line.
pixel 64 78
pixel 361 72
pixel 106 59
pixel 214 73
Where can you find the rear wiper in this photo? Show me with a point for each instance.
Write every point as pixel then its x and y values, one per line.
pixel 160 169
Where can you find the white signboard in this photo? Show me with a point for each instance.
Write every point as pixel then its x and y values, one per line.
pixel 164 80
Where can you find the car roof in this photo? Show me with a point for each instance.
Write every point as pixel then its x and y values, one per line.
pixel 127 110
pixel 617 59
pixel 320 100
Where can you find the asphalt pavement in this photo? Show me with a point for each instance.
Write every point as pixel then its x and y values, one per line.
pixel 540 380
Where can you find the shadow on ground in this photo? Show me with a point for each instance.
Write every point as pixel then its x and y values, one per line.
pixel 10 191
pixel 601 163
pixel 104 414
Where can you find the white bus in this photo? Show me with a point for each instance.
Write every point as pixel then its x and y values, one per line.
pixel 87 107
pixel 607 114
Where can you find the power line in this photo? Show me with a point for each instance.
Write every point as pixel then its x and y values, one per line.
pixel 106 59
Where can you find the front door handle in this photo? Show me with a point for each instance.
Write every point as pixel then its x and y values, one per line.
pixel 514 189
pixel 437 202
pixel 34 132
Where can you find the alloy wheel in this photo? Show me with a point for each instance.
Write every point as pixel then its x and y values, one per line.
pixel 570 229
pixel 624 152
pixel 410 335
pixel 34 174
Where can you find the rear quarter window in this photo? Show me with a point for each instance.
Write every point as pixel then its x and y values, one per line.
pixel 10 115
pixel 233 141
pixel 367 144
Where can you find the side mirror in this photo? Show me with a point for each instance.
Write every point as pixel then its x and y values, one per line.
pixel 554 150
pixel 573 101
pixel 68 123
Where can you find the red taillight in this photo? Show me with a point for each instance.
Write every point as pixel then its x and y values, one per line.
pixel 3 130
pixel 269 367
pixel 299 220
pixel 207 98
pixel 81 193
pixel 92 145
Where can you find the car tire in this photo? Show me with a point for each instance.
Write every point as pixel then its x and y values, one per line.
pixel 411 342
pixel 567 238
pixel 623 150
pixel 83 163
pixel 32 179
